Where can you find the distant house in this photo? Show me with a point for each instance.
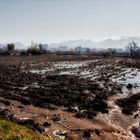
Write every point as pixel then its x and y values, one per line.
pixel 63 48
pixel 45 46
pixel 80 49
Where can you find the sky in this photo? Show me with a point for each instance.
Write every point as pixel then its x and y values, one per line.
pixel 49 21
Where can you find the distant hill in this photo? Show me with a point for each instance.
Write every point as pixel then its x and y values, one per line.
pixel 119 43
pixel 2 45
pixel 74 43
pixel 104 44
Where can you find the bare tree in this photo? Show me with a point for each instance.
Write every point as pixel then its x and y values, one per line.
pixel 11 47
pixel 132 47
pixel 111 51
pixel 42 50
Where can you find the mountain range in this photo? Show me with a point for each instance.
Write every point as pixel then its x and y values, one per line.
pixel 103 44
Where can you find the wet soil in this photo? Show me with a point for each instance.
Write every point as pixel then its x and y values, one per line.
pixel 80 96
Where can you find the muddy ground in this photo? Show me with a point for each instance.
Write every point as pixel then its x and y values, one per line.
pixel 73 97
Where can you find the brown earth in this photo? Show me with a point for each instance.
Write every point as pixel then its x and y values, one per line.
pixel 68 103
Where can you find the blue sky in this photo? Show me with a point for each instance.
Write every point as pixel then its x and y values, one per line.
pixel 49 21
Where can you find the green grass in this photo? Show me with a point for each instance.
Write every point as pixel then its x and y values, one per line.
pixel 12 131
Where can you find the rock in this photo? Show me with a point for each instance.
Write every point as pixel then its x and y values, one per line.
pixel 89 114
pixel 56 118
pixel 129 86
pixel 99 105
pixel 60 134
pixel 46 124
pixel 20 106
pixel 130 104
pixel 87 134
pixel 136 116
pixel 6 102
pixel 104 111
pixel 70 109
pixel 136 131
pixel 6 114
pixel 27 122
pixel 39 128
pixel 31 124
pixel 97 132
pixel 80 115
pixel 119 88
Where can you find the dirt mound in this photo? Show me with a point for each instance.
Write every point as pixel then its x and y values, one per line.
pixel 130 104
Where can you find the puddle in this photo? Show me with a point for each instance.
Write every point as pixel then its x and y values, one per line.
pixel 70 65
pixel 76 68
pixel 41 71
pixel 73 64
pixel 130 76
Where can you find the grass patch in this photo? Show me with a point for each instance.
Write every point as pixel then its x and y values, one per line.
pixel 13 131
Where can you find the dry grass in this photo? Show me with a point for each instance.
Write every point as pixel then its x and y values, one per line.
pixel 12 131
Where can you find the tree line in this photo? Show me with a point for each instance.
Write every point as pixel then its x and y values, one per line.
pixel 132 50
pixel 33 50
